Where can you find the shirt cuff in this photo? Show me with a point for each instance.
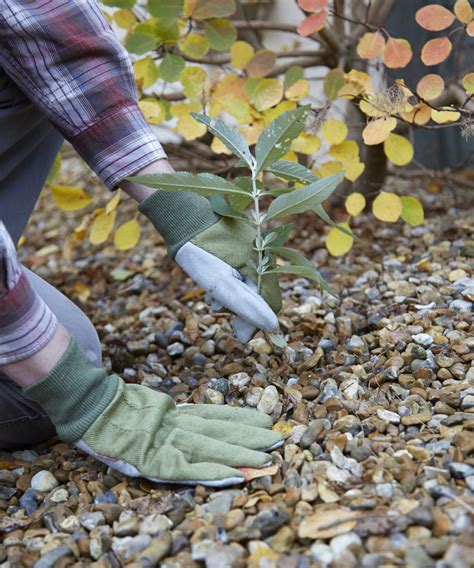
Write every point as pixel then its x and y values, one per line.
pixel 118 145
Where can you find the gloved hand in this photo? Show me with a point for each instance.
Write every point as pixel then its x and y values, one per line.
pixel 214 252
pixel 142 433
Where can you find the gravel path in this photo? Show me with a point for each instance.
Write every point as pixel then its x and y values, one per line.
pixel 375 400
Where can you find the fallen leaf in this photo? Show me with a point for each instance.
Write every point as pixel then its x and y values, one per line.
pixel 253 473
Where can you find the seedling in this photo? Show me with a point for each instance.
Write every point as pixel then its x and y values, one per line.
pixel 241 198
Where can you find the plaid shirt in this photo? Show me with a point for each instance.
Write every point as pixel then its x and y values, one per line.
pixel 64 55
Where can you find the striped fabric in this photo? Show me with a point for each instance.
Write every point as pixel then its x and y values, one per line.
pixel 26 322
pixel 64 55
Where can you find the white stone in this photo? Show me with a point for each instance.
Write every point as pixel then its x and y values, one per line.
pixel 423 339
pixel 269 400
pixel 44 481
pixel 343 542
pixel 322 554
pixel 389 416
pixel 349 388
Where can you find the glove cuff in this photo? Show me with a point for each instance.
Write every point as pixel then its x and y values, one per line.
pixel 74 393
pixel 178 216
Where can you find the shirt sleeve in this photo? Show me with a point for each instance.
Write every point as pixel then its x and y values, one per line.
pixel 66 58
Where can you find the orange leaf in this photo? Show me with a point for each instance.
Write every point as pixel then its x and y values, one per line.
pixel 430 86
pixel 371 45
pixel 313 5
pixel 261 63
pixel 252 473
pixel 436 50
pixel 434 17
pixel 463 11
pixel 312 24
pixel 397 53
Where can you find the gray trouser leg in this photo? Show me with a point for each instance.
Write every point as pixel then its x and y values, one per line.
pixel 28 146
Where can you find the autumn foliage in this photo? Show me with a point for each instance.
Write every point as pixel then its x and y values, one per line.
pixel 196 56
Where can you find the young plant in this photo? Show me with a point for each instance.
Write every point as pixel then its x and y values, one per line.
pixel 304 191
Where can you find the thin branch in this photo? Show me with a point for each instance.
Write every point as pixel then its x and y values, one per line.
pixel 378 13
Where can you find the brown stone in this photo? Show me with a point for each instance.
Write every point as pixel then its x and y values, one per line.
pixel 415 419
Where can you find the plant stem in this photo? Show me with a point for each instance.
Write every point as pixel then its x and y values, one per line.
pixel 258 227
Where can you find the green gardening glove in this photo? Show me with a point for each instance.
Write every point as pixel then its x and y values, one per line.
pixel 142 433
pixel 214 251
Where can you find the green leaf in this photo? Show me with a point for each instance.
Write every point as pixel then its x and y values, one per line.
pixel 171 67
pixel 333 83
pixel 140 42
pixel 166 9
pixel 305 198
pixel 54 171
pixel 276 139
pixel 127 4
pixel 220 33
pixel 282 233
pixel 205 9
pixel 231 137
pixel 167 30
pixel 221 207
pixel 319 210
pixel 240 202
pixel 292 171
pixel 203 184
pixel 292 75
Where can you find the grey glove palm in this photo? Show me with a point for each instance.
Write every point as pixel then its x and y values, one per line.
pixel 214 252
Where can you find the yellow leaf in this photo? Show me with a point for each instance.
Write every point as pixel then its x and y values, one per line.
pixel 463 11
pixel 219 147
pixel 152 110
pixel 420 114
pixel 270 114
pixel 102 226
pixel 178 109
pixel 113 203
pixel 398 149
pixel 345 151
pixel 127 235
pixel 377 130
pixel 387 207
pixel 444 115
pixel 81 291
pixel 283 428
pixel 353 169
pixel 146 71
pixel 337 242
pixel 306 144
pixel 195 82
pixel 236 106
pixel 468 83
pixel 334 131
pixel 252 133
pixel 124 19
pixel 367 108
pixel 240 54
pixel 290 156
pixel 266 94
pixel 329 169
pixel 194 45
pixel 298 90
pixel 412 212
pixel 189 128
pixel 70 198
pixel 370 45
pixel 355 203
pixel 360 81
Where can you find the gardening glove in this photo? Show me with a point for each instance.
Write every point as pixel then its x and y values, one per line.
pixel 214 251
pixel 142 433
